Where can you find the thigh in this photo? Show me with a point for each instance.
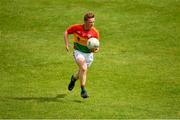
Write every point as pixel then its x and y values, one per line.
pixel 79 58
pixel 89 59
pixel 83 59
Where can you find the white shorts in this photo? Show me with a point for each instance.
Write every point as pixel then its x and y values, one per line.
pixel 89 57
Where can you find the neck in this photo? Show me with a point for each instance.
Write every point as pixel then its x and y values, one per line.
pixel 85 27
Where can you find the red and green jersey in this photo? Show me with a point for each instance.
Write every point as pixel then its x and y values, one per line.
pixel 81 36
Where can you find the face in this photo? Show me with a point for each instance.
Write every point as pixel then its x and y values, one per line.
pixel 89 23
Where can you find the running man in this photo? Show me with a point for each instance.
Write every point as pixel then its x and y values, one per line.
pixel 82 55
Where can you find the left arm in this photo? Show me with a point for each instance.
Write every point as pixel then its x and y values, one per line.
pixel 95 50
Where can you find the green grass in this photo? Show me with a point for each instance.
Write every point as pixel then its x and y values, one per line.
pixel 135 75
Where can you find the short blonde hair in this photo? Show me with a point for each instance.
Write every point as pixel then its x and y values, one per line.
pixel 88 15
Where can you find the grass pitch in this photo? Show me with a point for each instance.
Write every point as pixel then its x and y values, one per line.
pixel 135 75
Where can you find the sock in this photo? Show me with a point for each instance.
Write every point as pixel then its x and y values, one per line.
pixel 73 79
pixel 83 88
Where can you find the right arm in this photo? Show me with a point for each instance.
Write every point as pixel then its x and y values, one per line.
pixel 68 31
pixel 66 40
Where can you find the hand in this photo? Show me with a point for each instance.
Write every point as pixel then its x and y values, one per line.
pixel 67 48
pixel 94 50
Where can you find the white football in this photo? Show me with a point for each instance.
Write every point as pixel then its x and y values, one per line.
pixel 93 43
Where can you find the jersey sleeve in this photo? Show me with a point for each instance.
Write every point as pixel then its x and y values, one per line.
pixel 96 33
pixel 71 29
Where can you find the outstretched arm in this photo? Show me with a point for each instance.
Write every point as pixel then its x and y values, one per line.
pixel 66 40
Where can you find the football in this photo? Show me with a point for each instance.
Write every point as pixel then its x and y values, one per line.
pixel 93 43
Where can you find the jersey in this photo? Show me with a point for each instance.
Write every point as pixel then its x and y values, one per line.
pixel 81 36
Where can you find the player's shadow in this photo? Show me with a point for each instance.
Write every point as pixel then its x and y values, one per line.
pixel 57 98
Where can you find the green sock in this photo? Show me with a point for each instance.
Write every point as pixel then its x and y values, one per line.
pixel 73 79
pixel 83 88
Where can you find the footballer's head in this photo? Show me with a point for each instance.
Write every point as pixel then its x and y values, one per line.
pixel 89 19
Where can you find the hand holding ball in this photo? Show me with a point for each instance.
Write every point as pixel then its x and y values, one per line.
pixel 93 43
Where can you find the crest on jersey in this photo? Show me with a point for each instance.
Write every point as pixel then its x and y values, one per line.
pixel 89 35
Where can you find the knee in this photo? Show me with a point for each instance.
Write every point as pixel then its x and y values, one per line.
pixel 83 67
